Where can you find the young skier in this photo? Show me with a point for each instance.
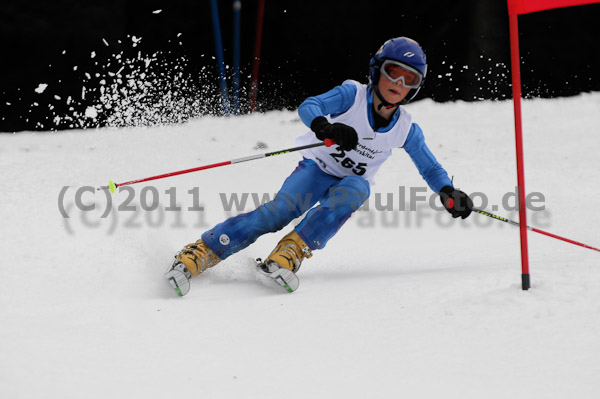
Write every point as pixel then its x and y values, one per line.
pixel 366 122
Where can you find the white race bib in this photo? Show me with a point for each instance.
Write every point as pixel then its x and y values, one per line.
pixel 373 147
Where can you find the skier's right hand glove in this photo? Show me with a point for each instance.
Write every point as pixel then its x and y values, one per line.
pixel 345 136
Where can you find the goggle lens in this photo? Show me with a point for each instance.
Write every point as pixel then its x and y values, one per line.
pixel 395 71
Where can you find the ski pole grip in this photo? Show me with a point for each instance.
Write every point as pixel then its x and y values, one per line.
pixel 329 142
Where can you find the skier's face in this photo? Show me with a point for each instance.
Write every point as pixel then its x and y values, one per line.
pixel 392 92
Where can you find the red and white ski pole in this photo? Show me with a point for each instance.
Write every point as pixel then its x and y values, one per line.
pixel 533 229
pixel 112 186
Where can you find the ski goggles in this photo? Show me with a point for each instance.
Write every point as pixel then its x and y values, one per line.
pixel 396 71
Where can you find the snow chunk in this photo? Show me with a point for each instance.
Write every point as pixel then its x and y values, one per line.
pixel 41 88
pixel 91 112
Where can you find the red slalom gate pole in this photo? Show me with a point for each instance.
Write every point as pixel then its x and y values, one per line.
pixel 516 88
pixel 112 186
pixel 534 229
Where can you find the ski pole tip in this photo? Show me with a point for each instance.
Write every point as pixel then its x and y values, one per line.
pixel 112 186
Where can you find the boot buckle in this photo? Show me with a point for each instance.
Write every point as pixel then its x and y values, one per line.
pixel 306 250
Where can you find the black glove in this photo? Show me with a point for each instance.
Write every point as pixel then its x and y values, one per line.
pixel 456 202
pixel 345 136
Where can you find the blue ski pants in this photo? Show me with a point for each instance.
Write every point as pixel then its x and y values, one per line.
pixel 307 185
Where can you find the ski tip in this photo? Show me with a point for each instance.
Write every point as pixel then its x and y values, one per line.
pixel 112 186
pixel 284 277
pixel 178 281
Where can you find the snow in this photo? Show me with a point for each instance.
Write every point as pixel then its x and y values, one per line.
pixel 41 88
pixel 91 112
pixel 411 304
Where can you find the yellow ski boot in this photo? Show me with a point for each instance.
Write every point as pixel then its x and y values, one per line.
pixel 192 260
pixel 285 260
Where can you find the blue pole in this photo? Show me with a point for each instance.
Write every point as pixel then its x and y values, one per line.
pixel 220 57
pixel 237 21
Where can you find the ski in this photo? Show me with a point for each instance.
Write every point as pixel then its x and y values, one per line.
pixel 179 277
pixel 282 276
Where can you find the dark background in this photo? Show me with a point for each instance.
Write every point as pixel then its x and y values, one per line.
pixel 308 47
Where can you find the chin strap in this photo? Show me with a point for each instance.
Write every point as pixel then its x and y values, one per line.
pixel 384 103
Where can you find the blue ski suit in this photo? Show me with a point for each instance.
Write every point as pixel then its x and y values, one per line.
pixel 309 183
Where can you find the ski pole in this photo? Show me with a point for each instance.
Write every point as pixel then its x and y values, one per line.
pixel 112 186
pixel 491 215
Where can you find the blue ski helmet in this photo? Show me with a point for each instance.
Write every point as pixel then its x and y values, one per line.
pixel 400 49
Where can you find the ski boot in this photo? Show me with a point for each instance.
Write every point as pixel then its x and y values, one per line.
pixel 285 260
pixel 192 260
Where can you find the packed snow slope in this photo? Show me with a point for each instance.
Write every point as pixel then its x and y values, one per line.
pixel 399 303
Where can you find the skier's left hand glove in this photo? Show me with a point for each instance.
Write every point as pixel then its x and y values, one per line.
pixel 456 202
